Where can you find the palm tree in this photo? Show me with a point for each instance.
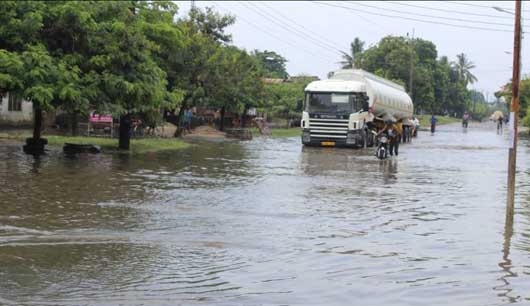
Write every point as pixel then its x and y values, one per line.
pixel 463 67
pixel 353 60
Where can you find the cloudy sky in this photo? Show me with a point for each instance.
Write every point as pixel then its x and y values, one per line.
pixel 309 34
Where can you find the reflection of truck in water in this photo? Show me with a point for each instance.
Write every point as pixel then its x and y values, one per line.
pixel 344 109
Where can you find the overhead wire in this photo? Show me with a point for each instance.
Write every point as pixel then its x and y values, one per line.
pixel 292 21
pixel 413 19
pixel 431 16
pixel 292 31
pixel 451 11
pixel 317 56
pixel 302 27
pixel 466 3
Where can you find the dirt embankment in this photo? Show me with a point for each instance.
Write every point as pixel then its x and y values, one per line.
pixel 205 133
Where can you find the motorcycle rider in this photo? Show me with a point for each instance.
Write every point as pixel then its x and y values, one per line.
pixel 392 131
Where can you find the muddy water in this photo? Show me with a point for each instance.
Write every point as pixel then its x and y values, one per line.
pixel 268 222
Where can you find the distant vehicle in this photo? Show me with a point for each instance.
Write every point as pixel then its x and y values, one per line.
pixel 344 109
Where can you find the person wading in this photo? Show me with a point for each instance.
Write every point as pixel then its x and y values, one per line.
pixel 433 123
pixel 465 120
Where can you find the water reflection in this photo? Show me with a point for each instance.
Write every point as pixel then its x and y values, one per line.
pixel 506 263
pixel 389 168
pixel 36 164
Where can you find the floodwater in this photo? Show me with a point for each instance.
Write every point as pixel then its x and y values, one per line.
pixel 268 222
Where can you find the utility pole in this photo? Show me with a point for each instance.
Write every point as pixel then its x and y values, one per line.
pixel 514 110
pixel 411 63
pixel 192 4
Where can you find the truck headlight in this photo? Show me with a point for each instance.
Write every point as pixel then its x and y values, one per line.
pixel 306 136
pixel 350 138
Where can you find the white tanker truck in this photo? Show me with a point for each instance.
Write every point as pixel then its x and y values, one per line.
pixel 344 109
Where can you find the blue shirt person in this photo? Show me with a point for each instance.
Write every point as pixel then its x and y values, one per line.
pixel 433 123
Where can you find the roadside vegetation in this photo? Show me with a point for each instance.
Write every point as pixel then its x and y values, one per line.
pixel 136 59
pixel 108 145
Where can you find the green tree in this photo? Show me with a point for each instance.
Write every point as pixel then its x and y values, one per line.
pixel 273 64
pixel 463 66
pixel 234 81
pixel 285 99
pixel 212 24
pixel 202 34
pixel 129 79
pixel 353 59
pixel 39 79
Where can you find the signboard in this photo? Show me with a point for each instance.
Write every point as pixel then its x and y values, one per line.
pixel 100 118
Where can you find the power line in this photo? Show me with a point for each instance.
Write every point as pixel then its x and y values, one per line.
pixel 414 19
pixel 280 14
pixel 268 33
pixel 432 16
pixel 299 25
pixel 451 11
pixel 481 6
pixel 295 32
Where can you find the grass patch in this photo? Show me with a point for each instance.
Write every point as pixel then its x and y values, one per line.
pixel 279 132
pixel 425 120
pixel 138 146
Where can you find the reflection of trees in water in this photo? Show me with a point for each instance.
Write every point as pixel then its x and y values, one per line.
pixel 62 197
pixel 60 269
pixel 66 189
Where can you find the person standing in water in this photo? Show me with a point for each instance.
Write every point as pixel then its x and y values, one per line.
pixel 465 119
pixel 433 123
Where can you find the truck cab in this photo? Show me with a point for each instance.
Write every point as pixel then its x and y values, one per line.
pixel 333 113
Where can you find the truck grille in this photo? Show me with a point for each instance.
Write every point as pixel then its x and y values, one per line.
pixel 328 128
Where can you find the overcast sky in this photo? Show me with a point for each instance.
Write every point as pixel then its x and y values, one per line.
pixel 309 34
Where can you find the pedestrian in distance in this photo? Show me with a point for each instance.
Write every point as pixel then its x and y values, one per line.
pixel 465 119
pixel 433 123
pixel 499 124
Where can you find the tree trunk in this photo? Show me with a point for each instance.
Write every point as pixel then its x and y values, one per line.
pixel 125 132
pixel 178 132
pixel 222 123
pixel 244 117
pixel 74 120
pixel 37 124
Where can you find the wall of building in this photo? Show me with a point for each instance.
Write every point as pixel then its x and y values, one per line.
pixel 22 117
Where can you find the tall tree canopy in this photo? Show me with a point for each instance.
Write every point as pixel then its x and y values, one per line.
pixel 272 63
pixel 463 66
pixel 353 59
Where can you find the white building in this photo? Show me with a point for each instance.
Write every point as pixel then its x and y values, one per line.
pixel 15 111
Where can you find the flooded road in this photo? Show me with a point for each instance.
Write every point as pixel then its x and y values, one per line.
pixel 268 222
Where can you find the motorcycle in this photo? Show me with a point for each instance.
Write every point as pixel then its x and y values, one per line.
pixel 382 148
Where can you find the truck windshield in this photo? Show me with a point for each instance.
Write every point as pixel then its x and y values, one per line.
pixel 333 103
